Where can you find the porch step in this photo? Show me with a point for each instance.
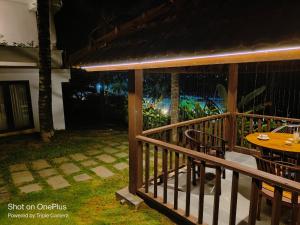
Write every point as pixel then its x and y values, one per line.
pixel 124 196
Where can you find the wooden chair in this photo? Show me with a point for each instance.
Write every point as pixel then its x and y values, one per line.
pixel 283 169
pixel 288 128
pixel 206 143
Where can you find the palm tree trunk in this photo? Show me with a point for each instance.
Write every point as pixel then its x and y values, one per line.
pixel 45 91
pixel 174 103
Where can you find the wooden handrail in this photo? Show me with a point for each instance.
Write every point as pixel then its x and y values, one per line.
pixel 254 173
pixel 267 117
pixel 184 123
pixel 257 123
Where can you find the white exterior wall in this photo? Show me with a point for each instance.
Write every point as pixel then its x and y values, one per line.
pixel 58 76
pixel 18 22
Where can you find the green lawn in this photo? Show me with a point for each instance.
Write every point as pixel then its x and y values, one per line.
pixel 89 202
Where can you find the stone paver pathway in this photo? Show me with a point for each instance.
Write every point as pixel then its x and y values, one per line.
pixel 121 166
pixel 101 161
pixel 106 158
pixel 123 147
pixel 60 160
pixel 102 171
pixel 78 157
pixel 93 152
pixel 69 168
pixel 58 182
pixel 30 188
pixel 111 150
pixel 89 163
pixel 121 155
pixel 17 167
pixel 4 194
pixel 113 144
pixel 2 182
pixel 82 177
pixel 48 172
pixel 22 177
pixel 40 164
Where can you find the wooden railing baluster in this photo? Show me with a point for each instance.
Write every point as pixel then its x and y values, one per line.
pixel 141 172
pixel 276 206
pixel 147 167
pixel 165 136
pixel 177 136
pixel 188 187
pixel 169 136
pixel 155 170
pixel 184 138
pixel 217 196
pixel 253 201
pixel 250 130
pixel 165 175
pixel 278 123
pixel 216 130
pixel 220 129
pixel 259 125
pixel 242 131
pixel 176 181
pixel 170 160
pixel 201 192
pixel 225 120
pixel 268 125
pixel 206 127
pixel 295 209
pixel 251 125
pixel 184 145
pixel 234 194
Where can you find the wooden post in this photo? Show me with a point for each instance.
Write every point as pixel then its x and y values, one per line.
pixel 135 123
pixel 232 105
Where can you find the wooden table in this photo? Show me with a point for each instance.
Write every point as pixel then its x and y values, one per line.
pixel 276 142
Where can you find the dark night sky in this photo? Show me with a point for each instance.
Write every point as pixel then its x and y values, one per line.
pixel 249 19
pixel 77 18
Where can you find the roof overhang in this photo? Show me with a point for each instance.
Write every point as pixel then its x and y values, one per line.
pixel 245 56
pixel 12 56
pixel 17 64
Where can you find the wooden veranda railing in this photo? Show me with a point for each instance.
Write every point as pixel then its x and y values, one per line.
pixel 250 123
pixel 174 133
pixel 152 175
pixel 165 152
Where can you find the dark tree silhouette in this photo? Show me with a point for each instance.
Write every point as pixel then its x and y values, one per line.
pixel 45 91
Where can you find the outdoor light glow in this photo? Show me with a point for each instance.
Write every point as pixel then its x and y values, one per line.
pixel 178 59
pixel 98 87
pixel 164 111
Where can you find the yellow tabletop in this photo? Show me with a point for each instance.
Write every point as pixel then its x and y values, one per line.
pixel 276 142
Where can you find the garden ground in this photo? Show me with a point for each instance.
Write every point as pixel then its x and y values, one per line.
pixel 80 169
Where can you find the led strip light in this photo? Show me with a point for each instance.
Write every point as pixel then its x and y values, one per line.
pixel 180 59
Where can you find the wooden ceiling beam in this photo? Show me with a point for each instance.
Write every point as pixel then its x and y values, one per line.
pixel 188 70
